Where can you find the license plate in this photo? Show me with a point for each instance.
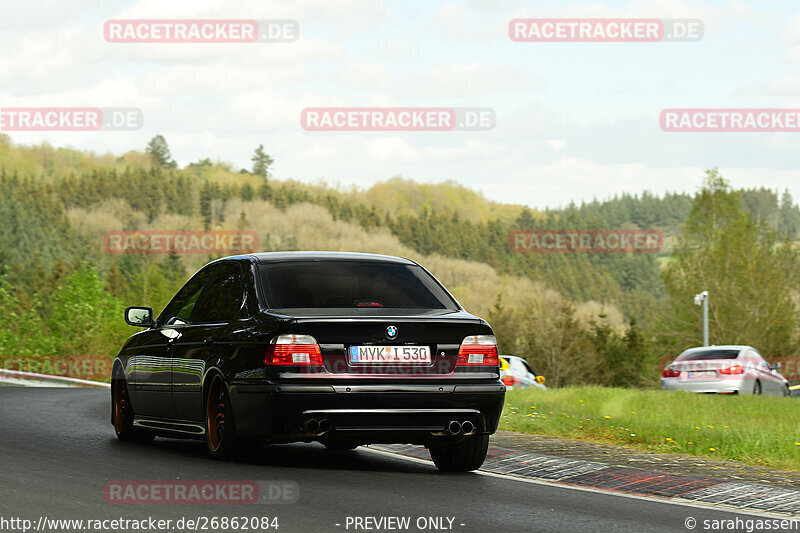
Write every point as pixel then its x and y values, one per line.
pixel 390 354
pixel 701 374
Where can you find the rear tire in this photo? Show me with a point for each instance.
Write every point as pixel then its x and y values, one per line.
pixel 461 456
pixel 221 440
pixel 123 415
pixel 757 388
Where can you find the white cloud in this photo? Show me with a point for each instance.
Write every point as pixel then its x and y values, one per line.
pixel 573 121
pixel 456 81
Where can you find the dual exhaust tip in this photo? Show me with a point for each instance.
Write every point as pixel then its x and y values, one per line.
pixel 454 427
pixel 318 426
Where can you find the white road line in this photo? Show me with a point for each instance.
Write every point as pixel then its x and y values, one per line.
pixel 32 379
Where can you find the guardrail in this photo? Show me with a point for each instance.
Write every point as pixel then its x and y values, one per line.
pixel 32 379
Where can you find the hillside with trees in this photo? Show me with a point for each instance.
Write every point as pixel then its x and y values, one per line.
pixel 578 318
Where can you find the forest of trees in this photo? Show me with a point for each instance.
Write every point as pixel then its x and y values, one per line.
pixel 578 318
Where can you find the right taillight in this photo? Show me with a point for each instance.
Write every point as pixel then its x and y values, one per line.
pixel 508 381
pixel 298 350
pixel 670 373
pixel 478 350
pixel 735 369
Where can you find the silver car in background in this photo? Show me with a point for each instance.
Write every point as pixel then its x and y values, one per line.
pixel 731 369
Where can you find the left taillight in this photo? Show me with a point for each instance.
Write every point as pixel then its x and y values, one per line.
pixel 478 350
pixel 296 350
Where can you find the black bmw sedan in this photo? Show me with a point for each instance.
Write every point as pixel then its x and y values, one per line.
pixel 341 348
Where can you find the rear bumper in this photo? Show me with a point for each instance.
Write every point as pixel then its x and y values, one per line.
pixel 739 386
pixel 364 413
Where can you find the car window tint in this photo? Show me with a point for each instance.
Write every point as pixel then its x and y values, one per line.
pixel 351 284
pixel 232 306
pixel 705 355
pixel 182 304
pixel 208 309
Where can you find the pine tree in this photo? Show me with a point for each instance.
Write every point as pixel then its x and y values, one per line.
pixel 246 193
pixel 261 162
pixel 159 152
pixel 789 217
pixel 205 206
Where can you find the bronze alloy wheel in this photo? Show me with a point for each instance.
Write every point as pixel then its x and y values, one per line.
pixel 215 414
pixel 119 405
pixel 124 415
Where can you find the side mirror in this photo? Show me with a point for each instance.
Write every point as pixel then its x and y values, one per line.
pixel 775 365
pixel 540 380
pixel 141 317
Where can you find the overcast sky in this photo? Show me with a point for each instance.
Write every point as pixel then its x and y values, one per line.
pixel 574 120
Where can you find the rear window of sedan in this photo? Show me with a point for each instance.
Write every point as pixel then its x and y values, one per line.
pixel 706 355
pixel 365 285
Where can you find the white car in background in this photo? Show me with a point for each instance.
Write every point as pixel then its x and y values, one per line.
pixel 516 373
pixel 730 369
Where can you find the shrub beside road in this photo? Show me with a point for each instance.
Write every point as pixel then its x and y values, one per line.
pixel 756 430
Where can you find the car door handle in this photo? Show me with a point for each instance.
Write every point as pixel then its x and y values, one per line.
pixel 209 341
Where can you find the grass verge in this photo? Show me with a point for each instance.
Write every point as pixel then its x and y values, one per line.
pixel 756 430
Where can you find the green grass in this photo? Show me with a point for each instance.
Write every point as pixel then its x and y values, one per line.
pixel 756 430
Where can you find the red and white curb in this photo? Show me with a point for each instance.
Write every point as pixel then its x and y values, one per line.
pixel 635 482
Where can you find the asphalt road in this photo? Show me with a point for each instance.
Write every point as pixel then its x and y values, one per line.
pixel 58 450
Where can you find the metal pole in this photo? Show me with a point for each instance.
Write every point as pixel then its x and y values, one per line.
pixel 702 299
pixel 705 318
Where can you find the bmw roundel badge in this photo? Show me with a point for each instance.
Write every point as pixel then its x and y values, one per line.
pixel 391 332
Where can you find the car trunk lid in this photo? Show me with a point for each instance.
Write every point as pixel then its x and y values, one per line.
pixel 345 341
